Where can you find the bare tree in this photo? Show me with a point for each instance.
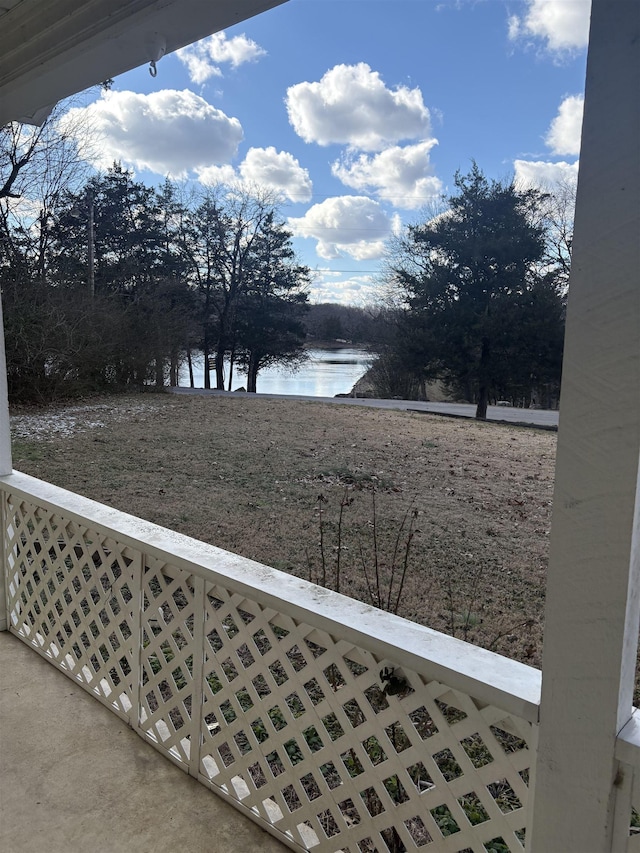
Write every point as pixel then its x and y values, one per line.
pixel 224 231
pixel 36 162
pixel 559 211
pixel 36 165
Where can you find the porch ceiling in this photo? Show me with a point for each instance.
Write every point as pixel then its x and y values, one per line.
pixel 50 49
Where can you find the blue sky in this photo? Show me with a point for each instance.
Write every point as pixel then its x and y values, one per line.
pixel 358 112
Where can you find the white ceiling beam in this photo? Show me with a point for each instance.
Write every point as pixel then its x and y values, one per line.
pixel 51 49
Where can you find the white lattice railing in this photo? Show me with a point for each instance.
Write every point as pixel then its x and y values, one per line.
pixel 628 754
pixel 334 725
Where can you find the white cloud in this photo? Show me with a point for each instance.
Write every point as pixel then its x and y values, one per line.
pixel 563 137
pixel 203 58
pixel 541 174
pixel 564 134
pixel 402 176
pixel 211 176
pixel 277 170
pixel 351 105
pixel 345 225
pixel 345 289
pixel 562 24
pixel 168 132
pixel 264 167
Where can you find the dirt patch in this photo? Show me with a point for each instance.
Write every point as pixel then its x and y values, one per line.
pixel 261 477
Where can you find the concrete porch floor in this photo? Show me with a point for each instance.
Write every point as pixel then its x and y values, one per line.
pixel 75 778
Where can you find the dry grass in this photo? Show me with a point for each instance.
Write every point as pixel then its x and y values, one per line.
pixel 246 475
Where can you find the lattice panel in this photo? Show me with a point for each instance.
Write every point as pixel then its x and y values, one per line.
pixel 322 740
pixel 298 727
pixel 633 842
pixel 71 594
pixel 168 655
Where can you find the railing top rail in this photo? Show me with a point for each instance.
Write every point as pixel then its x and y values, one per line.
pixel 487 676
pixel 628 740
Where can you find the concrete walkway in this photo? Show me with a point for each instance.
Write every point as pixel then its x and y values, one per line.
pixel 542 418
pixel 74 778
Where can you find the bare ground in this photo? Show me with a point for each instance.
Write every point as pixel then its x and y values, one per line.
pixel 247 474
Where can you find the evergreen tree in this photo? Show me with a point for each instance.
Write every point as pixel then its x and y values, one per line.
pixel 465 279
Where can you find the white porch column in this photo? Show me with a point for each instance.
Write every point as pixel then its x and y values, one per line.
pixel 591 630
pixel 5 461
pixel 5 434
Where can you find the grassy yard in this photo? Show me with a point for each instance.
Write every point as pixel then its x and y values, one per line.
pixel 268 479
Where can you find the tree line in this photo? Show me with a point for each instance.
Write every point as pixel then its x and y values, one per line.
pixel 110 284
pixel 333 322
pixel 114 284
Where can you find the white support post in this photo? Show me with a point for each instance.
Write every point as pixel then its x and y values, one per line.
pixel 591 628
pixel 137 640
pixel 197 669
pixel 6 464
pixel 4 606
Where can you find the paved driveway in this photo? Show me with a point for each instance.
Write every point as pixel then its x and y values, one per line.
pixel 529 417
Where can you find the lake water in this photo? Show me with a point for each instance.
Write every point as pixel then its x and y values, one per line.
pixel 327 373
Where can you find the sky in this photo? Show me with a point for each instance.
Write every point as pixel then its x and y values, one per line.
pixel 358 113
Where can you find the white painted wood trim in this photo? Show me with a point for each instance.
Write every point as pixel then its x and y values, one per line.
pixel 6 465
pixel 50 49
pixel 136 643
pixel 4 602
pixel 197 689
pixel 628 741
pixel 591 624
pixel 487 676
